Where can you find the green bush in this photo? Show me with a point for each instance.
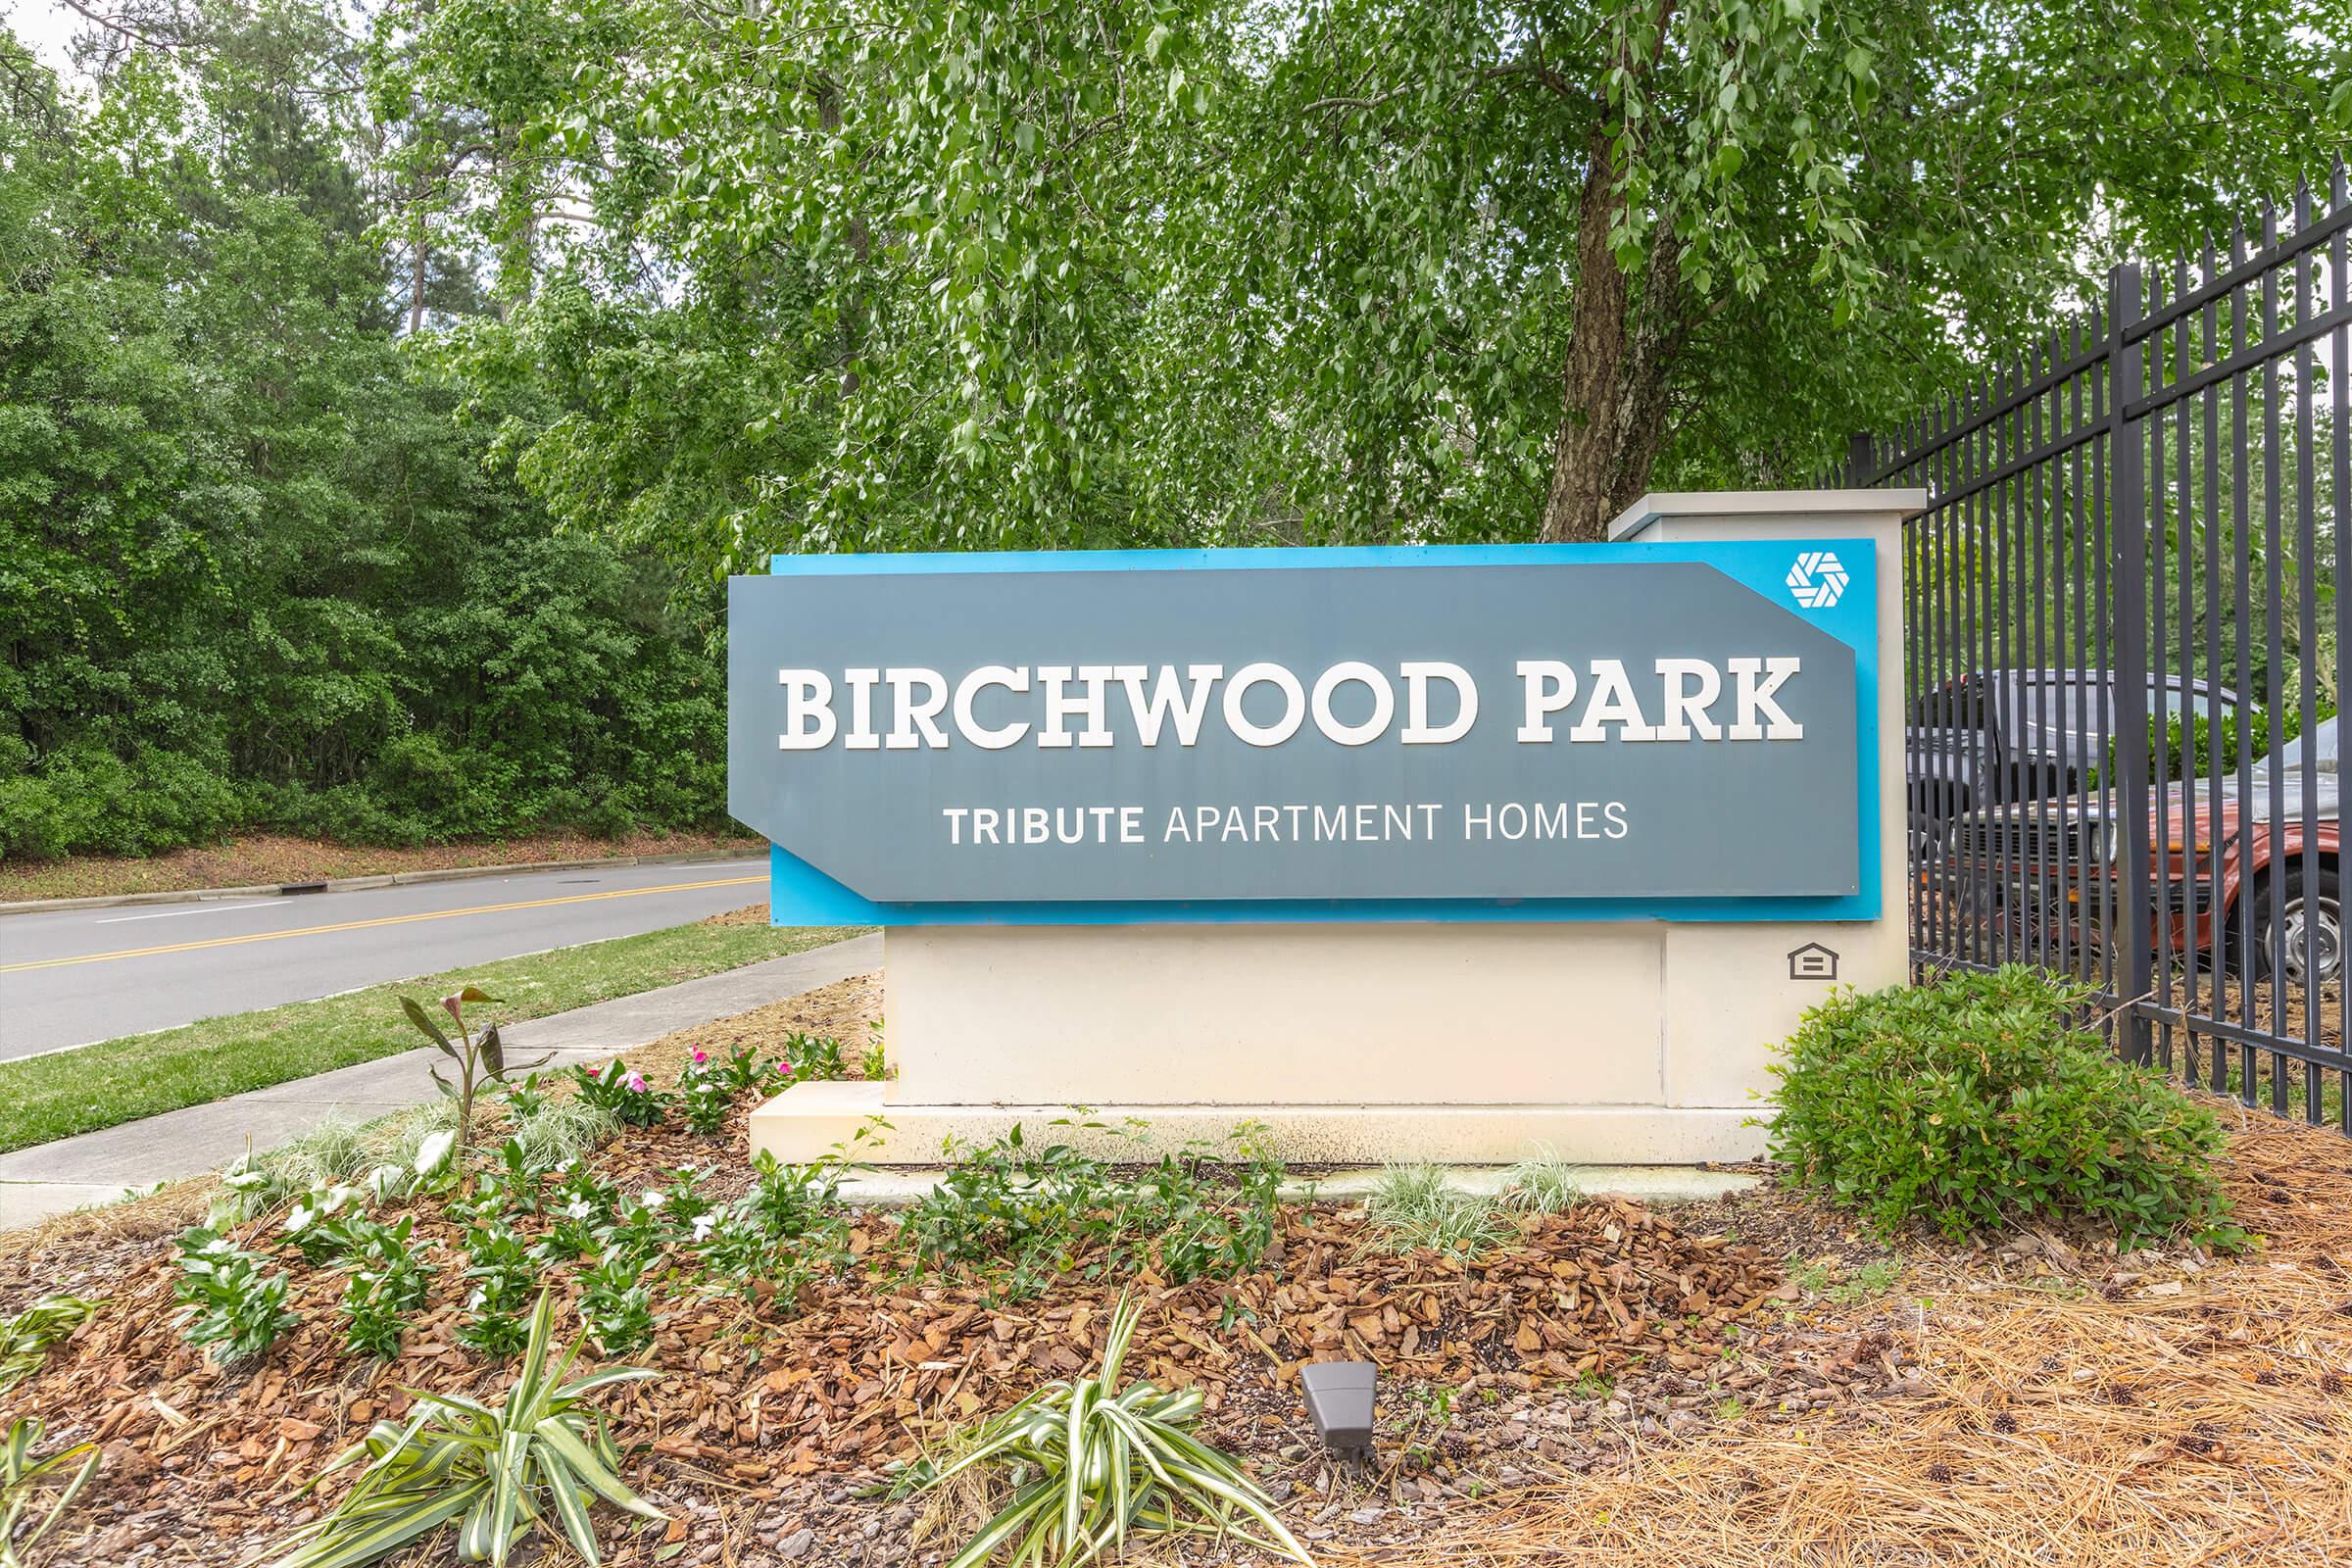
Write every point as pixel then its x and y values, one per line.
pixel 1974 1103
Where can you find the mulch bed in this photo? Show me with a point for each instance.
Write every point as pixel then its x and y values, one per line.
pixel 1617 1384
pixel 262 858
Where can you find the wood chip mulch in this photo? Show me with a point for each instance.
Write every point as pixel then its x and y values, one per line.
pixel 773 1417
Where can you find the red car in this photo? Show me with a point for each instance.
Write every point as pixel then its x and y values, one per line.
pixel 2233 874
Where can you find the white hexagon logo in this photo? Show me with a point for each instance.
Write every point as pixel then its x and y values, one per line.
pixel 1818 580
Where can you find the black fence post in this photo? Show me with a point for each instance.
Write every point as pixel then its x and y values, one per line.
pixel 2126 360
pixel 1858 461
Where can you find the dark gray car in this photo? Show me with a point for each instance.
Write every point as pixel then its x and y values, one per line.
pixel 1993 737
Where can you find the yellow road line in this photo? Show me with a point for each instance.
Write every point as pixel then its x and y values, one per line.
pixel 361 925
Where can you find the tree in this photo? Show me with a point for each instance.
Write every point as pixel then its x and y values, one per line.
pixel 1099 272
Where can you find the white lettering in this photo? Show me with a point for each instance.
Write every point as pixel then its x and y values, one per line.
pixel 1294 701
pixel 808 721
pixel 912 716
pixel 1166 700
pixel 1612 703
pixel 1686 708
pixel 1549 687
pixel 1417 676
pixel 861 736
pixel 1755 698
pixel 1384 703
pixel 967 688
pixel 1060 705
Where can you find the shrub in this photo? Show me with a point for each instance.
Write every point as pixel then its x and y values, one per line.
pixel 1974 1103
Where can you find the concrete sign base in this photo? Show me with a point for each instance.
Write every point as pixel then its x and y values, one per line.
pixel 1607 1041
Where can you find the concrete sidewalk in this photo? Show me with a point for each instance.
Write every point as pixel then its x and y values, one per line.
pixel 101 1166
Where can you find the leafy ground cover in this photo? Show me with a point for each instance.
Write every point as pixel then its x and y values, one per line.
pixel 1762 1380
pixel 263 858
pixel 104 1085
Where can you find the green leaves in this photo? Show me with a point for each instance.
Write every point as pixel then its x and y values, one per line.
pixel 24 1340
pixel 1974 1103
pixel 24 1479
pixel 502 1473
pixel 228 1305
pixel 1091 1462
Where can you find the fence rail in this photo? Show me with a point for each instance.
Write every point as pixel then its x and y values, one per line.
pixel 2122 634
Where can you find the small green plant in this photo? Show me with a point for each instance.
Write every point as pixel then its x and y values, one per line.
pixel 390 1280
pixel 1542 1187
pixel 228 1305
pixel 790 1230
pixel 812 1058
pixel 1974 1103
pixel 617 1305
pixel 1022 1213
pixel 501 1274
pixel 874 1062
pixel 620 1091
pixel 708 1096
pixel 498 1473
pixel 1414 1206
pixel 330 1155
pixel 25 1478
pixel 479 1057
pixel 552 1130
pixel 318 1225
pixel 1593 1386
pixel 24 1340
pixel 1091 1463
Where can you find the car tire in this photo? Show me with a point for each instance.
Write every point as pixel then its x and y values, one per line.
pixel 2278 922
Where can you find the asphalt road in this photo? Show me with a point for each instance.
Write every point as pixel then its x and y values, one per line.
pixel 78 975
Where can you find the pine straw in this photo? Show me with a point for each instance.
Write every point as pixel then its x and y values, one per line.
pixel 2084 1412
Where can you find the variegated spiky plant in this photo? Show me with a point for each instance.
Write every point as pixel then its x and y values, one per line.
pixel 1092 1463
pixel 497 1473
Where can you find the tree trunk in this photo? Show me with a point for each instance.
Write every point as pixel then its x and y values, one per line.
pixel 1620 348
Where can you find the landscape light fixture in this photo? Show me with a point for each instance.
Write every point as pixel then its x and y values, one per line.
pixel 1339 1397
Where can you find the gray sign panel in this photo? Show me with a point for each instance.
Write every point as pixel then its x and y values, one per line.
pixel 1575 728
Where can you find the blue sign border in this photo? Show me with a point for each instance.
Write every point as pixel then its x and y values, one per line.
pixel 803 896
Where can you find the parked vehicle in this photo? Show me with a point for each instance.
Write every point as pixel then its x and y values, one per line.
pixel 1990 737
pixel 2235 884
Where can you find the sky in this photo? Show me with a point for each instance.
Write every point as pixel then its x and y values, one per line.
pixel 45 27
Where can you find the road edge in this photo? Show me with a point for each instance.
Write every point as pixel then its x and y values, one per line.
pixel 348 884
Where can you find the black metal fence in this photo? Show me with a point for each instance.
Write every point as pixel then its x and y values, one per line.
pixel 2122 635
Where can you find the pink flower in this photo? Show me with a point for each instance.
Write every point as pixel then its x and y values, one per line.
pixel 785 1068
pixel 597 1071
pixel 636 1084
pixel 701 1056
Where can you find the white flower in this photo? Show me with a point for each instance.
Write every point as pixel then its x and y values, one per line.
pixel 300 1219
pixel 577 1208
pixel 702 1224
pixel 652 1197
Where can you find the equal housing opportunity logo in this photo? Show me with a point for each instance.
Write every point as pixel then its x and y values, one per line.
pixel 1818 580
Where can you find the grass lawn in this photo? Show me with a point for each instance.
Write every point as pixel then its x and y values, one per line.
pixel 114 1081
